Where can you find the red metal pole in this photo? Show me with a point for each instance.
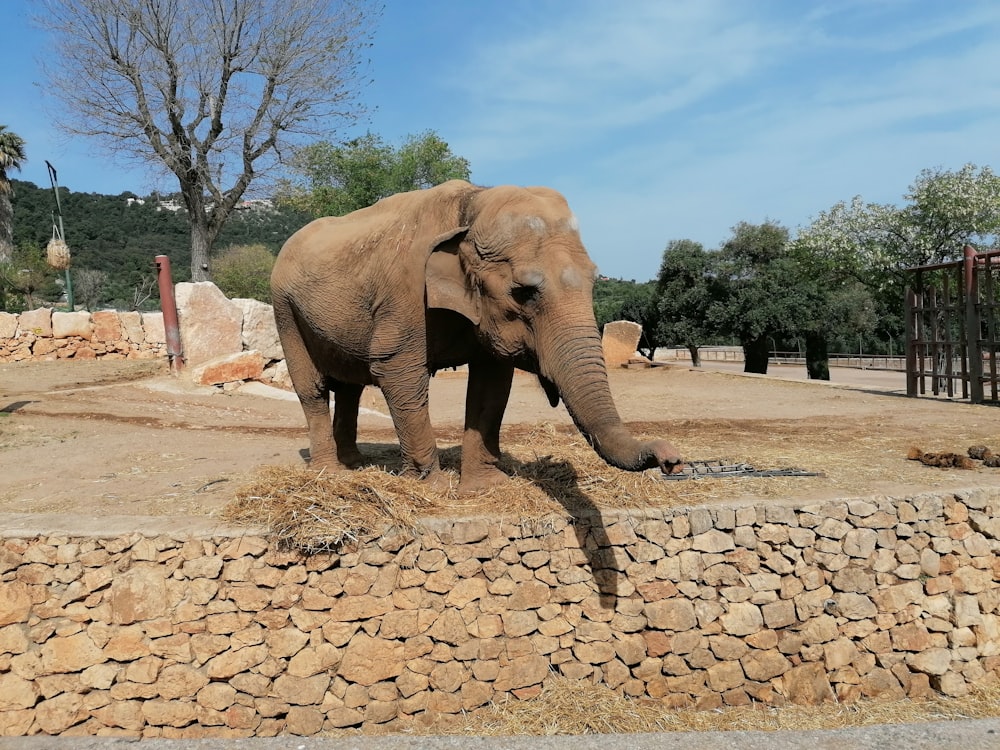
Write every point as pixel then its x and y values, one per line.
pixel 168 305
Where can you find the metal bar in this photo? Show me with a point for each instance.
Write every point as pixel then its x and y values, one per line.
pixel 168 305
pixel 911 342
pixel 972 327
pixel 987 307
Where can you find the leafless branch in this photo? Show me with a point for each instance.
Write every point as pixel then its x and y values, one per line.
pixel 212 90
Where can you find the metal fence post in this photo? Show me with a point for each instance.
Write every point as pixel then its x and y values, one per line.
pixel 168 305
pixel 973 351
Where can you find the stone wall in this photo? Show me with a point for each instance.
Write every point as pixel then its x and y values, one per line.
pixel 44 334
pixel 223 340
pixel 220 633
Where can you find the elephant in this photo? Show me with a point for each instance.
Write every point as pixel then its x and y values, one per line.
pixel 494 278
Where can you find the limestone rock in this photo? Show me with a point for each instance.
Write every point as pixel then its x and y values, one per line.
pixel 152 328
pixel 259 329
pixel 671 614
pixel 58 714
pixel 229 368
pixel 38 322
pixel 15 602
pixel 131 323
pixel 742 618
pixel 278 375
pixel 210 325
pixel 72 654
pixel 369 660
pixel 16 692
pixel 107 325
pixel 932 661
pixel 807 685
pixel 8 325
pixel 620 340
pixel 138 594
pixel 66 324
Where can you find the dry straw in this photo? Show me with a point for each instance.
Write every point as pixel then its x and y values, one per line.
pixel 57 254
pixel 578 707
pixel 317 511
pixel 554 471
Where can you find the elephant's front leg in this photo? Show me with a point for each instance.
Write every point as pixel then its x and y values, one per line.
pixel 406 394
pixel 485 402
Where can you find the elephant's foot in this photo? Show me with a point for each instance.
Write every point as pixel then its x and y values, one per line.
pixel 435 478
pixel 439 481
pixel 351 458
pixel 481 478
pixel 327 465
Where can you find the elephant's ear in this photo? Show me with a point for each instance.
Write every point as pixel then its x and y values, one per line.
pixel 447 285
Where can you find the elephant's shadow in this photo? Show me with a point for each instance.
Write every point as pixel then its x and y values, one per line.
pixel 558 480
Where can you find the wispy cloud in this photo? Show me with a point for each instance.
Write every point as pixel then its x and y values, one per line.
pixel 665 120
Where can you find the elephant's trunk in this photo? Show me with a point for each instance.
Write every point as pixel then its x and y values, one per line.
pixel 574 361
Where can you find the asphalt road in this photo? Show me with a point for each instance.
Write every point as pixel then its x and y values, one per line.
pixel 982 734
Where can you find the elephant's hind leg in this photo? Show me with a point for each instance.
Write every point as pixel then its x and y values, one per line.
pixel 311 386
pixel 346 403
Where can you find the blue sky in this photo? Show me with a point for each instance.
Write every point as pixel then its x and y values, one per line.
pixel 658 119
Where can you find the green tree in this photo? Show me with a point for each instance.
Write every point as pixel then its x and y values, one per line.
pixel 244 271
pixel 755 302
pixel 11 157
pixel 213 92
pixel 335 180
pixel 833 306
pixel 27 274
pixel 685 287
pixel 120 234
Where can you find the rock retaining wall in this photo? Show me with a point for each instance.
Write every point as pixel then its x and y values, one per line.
pixel 44 334
pixel 183 635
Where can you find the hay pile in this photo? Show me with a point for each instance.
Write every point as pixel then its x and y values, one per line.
pixel 554 470
pixel 319 512
pixel 568 707
pixel 57 254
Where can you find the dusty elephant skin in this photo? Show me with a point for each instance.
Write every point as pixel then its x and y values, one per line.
pixel 495 278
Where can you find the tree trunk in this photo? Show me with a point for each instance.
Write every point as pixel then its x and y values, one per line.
pixel 755 355
pixel 6 225
pixel 201 243
pixel 817 357
pixel 695 355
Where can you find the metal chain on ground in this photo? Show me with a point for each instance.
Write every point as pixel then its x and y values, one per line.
pixel 721 468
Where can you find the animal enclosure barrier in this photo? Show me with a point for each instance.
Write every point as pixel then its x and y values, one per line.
pixel 952 328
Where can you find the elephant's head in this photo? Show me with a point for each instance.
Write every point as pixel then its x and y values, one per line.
pixel 516 268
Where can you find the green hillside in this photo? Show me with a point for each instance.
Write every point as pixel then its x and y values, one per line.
pixel 111 234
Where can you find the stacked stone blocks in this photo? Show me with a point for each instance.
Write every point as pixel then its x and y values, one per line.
pixel 48 335
pixel 158 636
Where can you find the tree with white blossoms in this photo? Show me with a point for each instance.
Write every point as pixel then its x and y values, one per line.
pixel 875 242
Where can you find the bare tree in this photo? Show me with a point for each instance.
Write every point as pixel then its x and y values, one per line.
pixel 142 291
pixel 89 284
pixel 213 91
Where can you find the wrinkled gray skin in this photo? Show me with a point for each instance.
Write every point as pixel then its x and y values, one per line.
pixel 495 278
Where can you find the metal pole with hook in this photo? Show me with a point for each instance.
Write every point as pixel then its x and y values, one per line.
pixel 62 235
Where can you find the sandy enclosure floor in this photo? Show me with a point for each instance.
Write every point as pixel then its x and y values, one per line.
pixel 113 438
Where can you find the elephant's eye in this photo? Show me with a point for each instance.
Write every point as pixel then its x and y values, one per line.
pixel 524 294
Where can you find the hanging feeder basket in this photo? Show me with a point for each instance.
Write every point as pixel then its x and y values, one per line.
pixel 57 254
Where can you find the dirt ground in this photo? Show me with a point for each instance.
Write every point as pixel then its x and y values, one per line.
pixel 127 438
